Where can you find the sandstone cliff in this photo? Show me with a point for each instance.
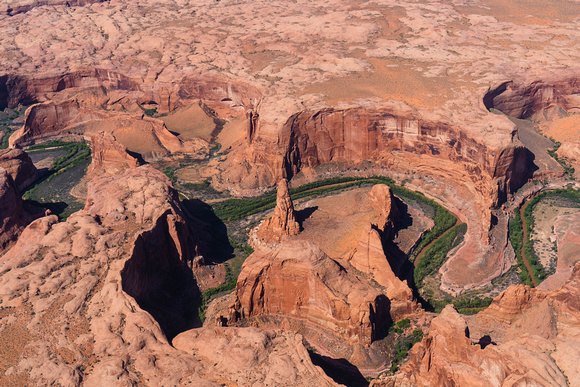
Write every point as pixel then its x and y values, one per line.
pixel 13 218
pixel 283 221
pixel 109 156
pixel 296 280
pixel 525 337
pixel 18 165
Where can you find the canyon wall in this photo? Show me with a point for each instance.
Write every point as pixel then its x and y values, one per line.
pixel 522 100
pixel 311 138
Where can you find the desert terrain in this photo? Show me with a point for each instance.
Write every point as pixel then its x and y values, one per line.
pixel 253 193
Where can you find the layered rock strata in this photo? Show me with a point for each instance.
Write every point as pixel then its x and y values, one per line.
pixel 19 166
pixel 109 156
pixel 296 280
pixel 283 221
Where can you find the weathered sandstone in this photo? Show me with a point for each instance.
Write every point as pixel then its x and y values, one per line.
pixel 74 293
pixel 13 218
pixel 296 280
pixel 283 221
pixel 109 156
pixel 18 165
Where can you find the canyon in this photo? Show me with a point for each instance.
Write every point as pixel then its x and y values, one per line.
pixel 264 179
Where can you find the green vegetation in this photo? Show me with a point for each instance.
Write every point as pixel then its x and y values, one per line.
pixel 170 173
pixel 516 236
pixel 227 286
pixel 436 254
pixel 403 346
pixel 569 170
pixel 5 137
pixel 76 155
pixel 150 112
pixel 538 270
pixel 466 306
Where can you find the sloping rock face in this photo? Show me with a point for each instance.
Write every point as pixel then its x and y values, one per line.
pixel 13 218
pixel 18 165
pixel 283 222
pixel 297 280
pixel 109 156
pixel 72 296
pixel 89 112
pixel 252 356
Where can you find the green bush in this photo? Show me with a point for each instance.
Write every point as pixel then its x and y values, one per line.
pixel 436 255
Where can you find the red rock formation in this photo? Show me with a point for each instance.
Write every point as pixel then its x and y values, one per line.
pixel 252 355
pixel 521 100
pixel 64 292
pixel 283 222
pixel 13 218
pixel 296 280
pixel 109 156
pixel 370 258
pixel 311 138
pixel 18 165
pixel 526 337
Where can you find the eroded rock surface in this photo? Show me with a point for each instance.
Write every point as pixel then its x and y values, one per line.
pixel 64 294
pixel 13 218
pixel 296 280
pixel 19 166
pixel 283 221
pixel 109 156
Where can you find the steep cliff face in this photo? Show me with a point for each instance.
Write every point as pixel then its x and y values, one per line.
pixel 19 166
pixel 311 138
pixel 522 100
pixel 13 218
pixel 109 156
pixel 165 96
pixel 296 280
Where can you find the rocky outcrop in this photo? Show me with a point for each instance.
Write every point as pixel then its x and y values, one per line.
pixel 253 356
pixel 526 336
pixel 297 281
pixel 448 357
pixel 86 114
pixel 19 166
pixel 13 218
pixel 522 100
pixel 369 257
pixel 283 221
pixel 86 295
pixel 109 156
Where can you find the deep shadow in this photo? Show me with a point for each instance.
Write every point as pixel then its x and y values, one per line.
pixel 32 206
pixel 531 165
pixel 137 156
pixel 339 370
pixel 485 341
pixel 210 233
pixel 304 214
pixel 161 282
